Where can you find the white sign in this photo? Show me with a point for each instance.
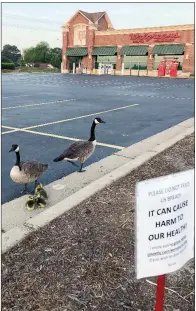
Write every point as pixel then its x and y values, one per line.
pixel 164 224
pixel 80 34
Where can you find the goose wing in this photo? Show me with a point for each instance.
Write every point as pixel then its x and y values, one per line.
pixel 33 168
pixel 75 150
pixel 78 149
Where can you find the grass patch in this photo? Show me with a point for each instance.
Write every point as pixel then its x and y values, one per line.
pixel 7 71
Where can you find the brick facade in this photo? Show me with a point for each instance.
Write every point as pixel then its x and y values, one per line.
pixel 100 33
pixel 122 38
pixel 188 61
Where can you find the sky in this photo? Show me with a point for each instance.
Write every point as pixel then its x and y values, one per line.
pixel 26 24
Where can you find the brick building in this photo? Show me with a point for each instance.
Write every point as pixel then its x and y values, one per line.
pixel 90 42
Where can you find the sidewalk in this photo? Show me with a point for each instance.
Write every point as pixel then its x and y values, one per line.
pixel 84 260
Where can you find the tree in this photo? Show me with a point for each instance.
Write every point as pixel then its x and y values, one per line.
pixel 11 53
pixel 57 51
pixel 29 55
pixel 56 58
pixel 22 63
pixel 42 53
pixel 37 54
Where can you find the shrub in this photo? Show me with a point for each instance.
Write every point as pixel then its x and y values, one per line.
pixel 5 59
pixel 22 63
pixel 7 66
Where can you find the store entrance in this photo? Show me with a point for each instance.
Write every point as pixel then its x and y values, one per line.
pixel 105 64
pixel 74 60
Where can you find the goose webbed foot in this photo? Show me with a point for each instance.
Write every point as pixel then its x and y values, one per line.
pixel 81 170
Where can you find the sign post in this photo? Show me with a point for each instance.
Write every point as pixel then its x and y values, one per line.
pixel 164 227
pixel 160 293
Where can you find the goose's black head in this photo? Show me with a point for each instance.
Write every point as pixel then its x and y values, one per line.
pixel 14 148
pixel 98 120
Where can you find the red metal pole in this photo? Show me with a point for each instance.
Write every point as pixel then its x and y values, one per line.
pixel 160 293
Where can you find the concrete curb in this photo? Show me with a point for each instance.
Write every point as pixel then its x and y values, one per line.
pixel 145 150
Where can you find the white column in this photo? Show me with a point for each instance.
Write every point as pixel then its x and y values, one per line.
pixel 99 70
pixel 74 67
pixel 122 70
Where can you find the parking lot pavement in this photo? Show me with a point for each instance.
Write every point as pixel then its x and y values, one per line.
pixel 44 113
pixel 85 259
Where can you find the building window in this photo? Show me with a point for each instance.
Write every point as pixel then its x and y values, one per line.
pixel 135 62
pixel 106 59
pixel 80 35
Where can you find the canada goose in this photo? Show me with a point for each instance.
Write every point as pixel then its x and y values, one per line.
pixel 81 150
pixel 26 172
pixel 39 190
pixel 35 202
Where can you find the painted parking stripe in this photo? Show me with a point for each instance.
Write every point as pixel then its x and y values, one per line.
pixel 14 96
pixel 57 136
pixel 10 127
pixel 40 104
pixel 11 131
pixel 81 117
pixel 70 138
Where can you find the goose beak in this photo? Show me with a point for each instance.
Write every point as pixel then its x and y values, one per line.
pixel 12 149
pixel 102 121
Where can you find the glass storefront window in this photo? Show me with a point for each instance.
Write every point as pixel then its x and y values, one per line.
pixel 106 59
pixel 135 62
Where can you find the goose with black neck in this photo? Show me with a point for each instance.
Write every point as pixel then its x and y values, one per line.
pixel 81 150
pixel 24 172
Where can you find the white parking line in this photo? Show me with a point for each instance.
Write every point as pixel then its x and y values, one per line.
pixel 9 127
pixel 14 96
pixel 13 129
pixel 69 138
pixel 40 104
pixel 81 117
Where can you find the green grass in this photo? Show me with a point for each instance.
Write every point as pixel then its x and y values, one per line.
pixel 7 71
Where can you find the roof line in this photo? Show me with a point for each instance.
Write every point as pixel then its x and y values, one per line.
pixel 146 29
pixel 101 16
pixel 84 16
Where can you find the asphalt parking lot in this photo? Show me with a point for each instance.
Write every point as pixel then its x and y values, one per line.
pixel 44 113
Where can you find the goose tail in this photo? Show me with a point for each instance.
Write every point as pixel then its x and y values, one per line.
pixel 60 158
pixel 45 166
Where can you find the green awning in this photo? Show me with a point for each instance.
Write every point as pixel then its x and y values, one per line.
pixel 105 50
pixel 134 50
pixel 169 49
pixel 76 52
